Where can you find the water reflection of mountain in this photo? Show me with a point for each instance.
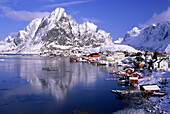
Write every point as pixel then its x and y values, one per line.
pixel 58 81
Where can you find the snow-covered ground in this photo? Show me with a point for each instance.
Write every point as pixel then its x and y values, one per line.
pixel 151 104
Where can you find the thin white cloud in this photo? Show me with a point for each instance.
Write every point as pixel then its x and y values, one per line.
pixel 67 3
pixel 47 0
pixel 22 15
pixel 13 33
pixel 157 18
pixel 92 20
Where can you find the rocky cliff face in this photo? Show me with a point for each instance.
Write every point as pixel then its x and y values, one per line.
pixel 154 38
pixel 59 30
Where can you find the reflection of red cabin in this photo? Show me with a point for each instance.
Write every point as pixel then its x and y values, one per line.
pixel 133 80
pixel 149 89
pixel 129 70
pixel 136 74
pixel 75 58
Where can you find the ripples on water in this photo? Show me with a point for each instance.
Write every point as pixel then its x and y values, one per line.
pixel 27 86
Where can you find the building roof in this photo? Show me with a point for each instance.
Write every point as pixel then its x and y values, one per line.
pixel 151 87
pixel 133 78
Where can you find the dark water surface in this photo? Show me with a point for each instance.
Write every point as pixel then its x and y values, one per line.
pixel 27 88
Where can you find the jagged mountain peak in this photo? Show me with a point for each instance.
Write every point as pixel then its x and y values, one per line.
pixel 133 33
pixel 135 29
pixel 90 26
pixel 9 39
pixel 57 30
pixel 57 14
pixel 154 37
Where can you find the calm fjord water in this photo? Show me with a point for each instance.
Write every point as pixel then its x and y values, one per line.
pixel 25 87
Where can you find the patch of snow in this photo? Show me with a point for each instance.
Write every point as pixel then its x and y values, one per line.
pixel 118 41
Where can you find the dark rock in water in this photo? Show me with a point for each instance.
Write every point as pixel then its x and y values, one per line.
pixel 4 89
pixel 50 69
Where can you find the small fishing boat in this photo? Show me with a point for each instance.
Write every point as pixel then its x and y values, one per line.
pixel 112 72
pixel 116 91
pixel 158 93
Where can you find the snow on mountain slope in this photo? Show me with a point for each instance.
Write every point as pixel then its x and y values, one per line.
pixel 118 41
pixel 111 48
pixel 7 44
pixel 25 37
pixel 117 47
pixel 154 38
pixel 59 30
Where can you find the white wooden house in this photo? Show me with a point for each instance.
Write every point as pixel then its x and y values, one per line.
pixel 119 55
pixel 161 64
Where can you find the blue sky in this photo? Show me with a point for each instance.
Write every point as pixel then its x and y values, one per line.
pixel 114 16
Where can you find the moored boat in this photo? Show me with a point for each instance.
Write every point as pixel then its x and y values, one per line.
pixel 158 93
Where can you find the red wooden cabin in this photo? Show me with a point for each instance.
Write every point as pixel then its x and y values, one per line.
pixel 129 70
pixel 133 80
pixel 136 74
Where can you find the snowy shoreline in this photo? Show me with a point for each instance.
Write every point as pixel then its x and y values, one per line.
pixel 151 104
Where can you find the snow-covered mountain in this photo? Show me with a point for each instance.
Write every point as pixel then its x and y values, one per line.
pixel 119 40
pixel 7 44
pixel 55 31
pixel 154 38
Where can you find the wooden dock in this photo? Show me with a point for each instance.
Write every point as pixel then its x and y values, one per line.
pixel 112 79
pixel 126 91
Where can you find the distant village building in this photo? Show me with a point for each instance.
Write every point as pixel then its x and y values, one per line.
pixel 161 64
pixel 161 56
pixel 119 55
pixel 133 80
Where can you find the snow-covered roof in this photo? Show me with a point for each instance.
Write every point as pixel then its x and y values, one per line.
pixel 151 87
pixel 137 73
pixel 133 78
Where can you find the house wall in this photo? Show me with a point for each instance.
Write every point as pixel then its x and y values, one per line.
pixel 164 65
pixel 133 81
